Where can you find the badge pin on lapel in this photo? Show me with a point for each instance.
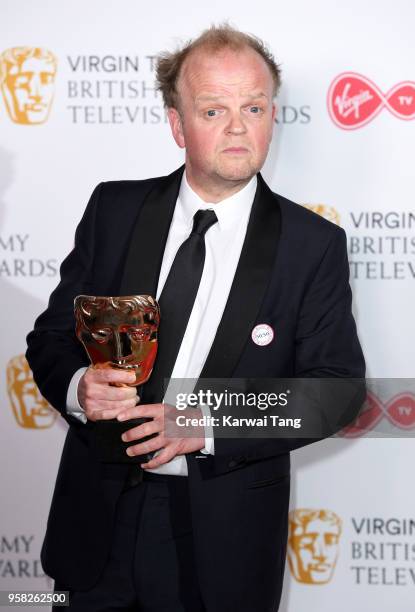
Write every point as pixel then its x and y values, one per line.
pixel 262 334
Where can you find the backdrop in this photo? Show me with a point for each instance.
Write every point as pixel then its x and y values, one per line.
pixel 78 106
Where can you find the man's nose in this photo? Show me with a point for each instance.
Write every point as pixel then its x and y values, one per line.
pixel 236 123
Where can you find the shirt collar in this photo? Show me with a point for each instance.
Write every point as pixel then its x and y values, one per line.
pixel 228 211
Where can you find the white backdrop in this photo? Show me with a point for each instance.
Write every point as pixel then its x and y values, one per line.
pixel 100 131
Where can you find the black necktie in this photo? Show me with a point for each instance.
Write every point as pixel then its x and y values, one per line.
pixel 176 303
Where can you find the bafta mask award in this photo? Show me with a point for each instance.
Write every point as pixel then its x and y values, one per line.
pixel 118 332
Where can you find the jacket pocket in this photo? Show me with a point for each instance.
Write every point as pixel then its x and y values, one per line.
pixel 268 482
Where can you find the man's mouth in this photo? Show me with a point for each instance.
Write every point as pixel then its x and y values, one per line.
pixel 236 150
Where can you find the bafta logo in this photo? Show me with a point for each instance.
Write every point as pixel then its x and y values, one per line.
pixel 328 212
pixel 27 79
pixel 313 545
pixel 31 410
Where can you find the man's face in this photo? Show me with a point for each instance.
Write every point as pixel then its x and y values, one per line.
pixel 30 89
pixel 226 115
pixel 315 550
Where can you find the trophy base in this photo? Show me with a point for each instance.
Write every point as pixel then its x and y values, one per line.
pixel 107 443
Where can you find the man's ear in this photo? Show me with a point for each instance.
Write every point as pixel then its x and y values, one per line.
pixel 176 126
pixel 274 111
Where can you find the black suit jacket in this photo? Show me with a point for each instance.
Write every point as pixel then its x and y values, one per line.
pixel 292 274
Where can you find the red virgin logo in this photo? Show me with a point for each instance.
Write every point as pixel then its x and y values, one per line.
pixel 353 100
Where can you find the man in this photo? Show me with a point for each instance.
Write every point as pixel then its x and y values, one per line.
pixel 202 531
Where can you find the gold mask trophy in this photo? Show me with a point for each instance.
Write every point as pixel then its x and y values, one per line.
pixel 118 332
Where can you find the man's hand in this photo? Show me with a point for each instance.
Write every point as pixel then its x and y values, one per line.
pixel 165 425
pixel 99 399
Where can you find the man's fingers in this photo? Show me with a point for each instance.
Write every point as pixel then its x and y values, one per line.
pixel 103 409
pixel 141 431
pixel 143 410
pixel 166 455
pixel 105 392
pixel 109 375
pixel 149 446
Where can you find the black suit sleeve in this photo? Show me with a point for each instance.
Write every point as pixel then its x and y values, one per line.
pixel 54 353
pixel 326 340
pixel 326 346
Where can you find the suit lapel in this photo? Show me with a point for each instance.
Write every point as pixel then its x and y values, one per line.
pixel 250 282
pixel 145 253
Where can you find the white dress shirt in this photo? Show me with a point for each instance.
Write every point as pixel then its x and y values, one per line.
pixel 223 242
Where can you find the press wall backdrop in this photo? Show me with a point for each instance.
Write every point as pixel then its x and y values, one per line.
pixel 78 106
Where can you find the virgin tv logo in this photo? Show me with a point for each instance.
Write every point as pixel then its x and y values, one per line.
pixel 399 411
pixel 353 100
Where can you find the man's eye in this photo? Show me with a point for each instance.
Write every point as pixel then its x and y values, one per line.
pixel 255 109
pixel 211 112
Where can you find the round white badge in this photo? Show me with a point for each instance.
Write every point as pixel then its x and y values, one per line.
pixel 262 334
